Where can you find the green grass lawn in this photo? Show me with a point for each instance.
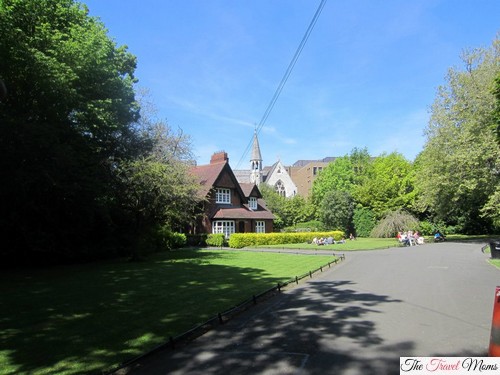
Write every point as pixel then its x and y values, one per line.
pixel 358 244
pixel 86 318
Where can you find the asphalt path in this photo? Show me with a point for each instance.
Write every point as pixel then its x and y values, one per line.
pixel 358 317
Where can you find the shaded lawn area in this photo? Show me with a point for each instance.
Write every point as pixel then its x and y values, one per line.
pixel 86 318
pixel 357 244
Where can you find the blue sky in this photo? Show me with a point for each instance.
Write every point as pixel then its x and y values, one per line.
pixel 366 77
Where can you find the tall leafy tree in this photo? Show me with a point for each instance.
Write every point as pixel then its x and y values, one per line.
pixel 339 175
pixel 343 174
pixel 459 167
pixel 496 123
pixel 389 185
pixel 336 210
pixel 63 124
pixel 288 211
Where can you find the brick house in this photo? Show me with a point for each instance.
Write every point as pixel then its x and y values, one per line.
pixel 229 206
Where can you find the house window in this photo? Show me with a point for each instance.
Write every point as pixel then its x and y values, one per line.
pixel 252 203
pixel 223 226
pixel 223 196
pixel 279 187
pixel 260 227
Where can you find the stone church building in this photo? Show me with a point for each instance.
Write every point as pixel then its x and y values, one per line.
pixel 287 181
pixel 275 176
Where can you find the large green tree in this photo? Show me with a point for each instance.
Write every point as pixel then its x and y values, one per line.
pixel 345 173
pixel 336 210
pixel 65 125
pixel 288 211
pixel 458 170
pixel 389 185
pixel 154 194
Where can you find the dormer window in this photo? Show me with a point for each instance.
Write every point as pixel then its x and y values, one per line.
pixel 223 196
pixel 252 203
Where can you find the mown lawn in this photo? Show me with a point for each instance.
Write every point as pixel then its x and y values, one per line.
pixel 358 244
pixel 87 318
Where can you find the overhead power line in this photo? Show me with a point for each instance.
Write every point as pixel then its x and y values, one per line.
pixel 285 78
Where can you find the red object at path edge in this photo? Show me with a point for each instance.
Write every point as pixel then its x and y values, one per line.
pixel 494 350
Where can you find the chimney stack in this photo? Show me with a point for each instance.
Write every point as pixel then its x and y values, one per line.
pixel 219 157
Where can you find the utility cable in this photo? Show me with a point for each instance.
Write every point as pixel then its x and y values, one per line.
pixel 285 78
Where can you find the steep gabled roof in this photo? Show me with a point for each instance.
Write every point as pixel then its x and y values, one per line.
pixel 250 190
pixel 209 174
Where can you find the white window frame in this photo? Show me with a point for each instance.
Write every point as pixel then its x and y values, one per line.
pixel 224 226
pixel 252 203
pixel 223 195
pixel 260 227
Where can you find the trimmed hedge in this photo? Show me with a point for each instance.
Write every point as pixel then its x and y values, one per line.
pixel 217 239
pixel 239 240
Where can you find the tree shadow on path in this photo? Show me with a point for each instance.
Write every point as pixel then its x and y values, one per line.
pixel 322 327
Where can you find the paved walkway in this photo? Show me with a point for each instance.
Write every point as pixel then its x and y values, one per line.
pixel 358 317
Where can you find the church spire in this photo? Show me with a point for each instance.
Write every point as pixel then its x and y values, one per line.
pixel 256 161
pixel 255 148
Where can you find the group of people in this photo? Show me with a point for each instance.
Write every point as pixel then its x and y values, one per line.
pixel 326 241
pixel 410 238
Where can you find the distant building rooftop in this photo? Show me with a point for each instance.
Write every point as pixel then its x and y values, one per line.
pixel 301 163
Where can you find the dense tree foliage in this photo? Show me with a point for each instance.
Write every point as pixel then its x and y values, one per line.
pixel 458 174
pixel 363 220
pixel 336 210
pixel 336 176
pixel 377 186
pixel 455 181
pixel 388 186
pixel 81 169
pixel 288 211
pixel 496 123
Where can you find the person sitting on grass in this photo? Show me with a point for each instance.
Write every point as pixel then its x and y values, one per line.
pixel 438 237
pixel 403 238
pixel 418 238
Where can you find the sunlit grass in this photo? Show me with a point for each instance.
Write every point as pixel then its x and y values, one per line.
pixel 358 244
pixel 86 318
pixel 495 262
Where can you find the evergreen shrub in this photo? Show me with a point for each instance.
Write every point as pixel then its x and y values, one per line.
pixel 364 221
pixel 164 239
pixel 240 240
pixel 217 239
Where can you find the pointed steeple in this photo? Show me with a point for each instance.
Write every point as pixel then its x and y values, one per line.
pixel 256 156
pixel 256 161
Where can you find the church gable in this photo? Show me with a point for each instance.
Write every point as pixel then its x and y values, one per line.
pixel 279 179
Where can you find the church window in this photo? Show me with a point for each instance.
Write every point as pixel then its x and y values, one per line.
pixel 223 196
pixel 279 187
